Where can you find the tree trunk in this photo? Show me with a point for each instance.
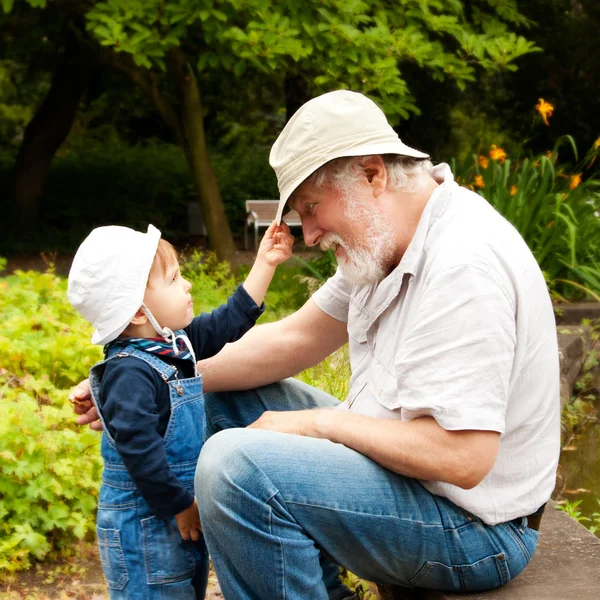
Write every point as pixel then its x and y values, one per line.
pixel 192 126
pixel 48 129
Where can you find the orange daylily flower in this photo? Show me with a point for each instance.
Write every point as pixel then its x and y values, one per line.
pixel 574 181
pixel 483 161
pixel 513 190
pixel 549 153
pixel 545 109
pixel 597 144
pixel 478 181
pixel 497 154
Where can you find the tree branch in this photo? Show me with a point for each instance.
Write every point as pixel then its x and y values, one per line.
pixel 148 82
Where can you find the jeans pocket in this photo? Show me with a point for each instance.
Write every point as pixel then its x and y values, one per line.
pixel 485 574
pixel 167 557
pixel 112 558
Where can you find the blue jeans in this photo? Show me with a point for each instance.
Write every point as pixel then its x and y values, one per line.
pixel 279 511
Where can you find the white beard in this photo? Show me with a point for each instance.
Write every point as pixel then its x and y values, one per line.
pixel 369 262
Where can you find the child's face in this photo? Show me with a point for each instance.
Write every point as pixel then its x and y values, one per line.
pixel 168 298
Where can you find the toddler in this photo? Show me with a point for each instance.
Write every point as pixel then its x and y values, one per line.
pixel 149 397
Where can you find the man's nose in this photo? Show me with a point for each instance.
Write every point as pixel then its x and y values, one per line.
pixel 312 233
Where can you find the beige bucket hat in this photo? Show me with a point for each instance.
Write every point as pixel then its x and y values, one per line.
pixel 333 125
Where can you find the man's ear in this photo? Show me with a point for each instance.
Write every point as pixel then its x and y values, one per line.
pixel 376 173
pixel 139 318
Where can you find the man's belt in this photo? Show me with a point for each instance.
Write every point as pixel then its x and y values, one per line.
pixel 535 518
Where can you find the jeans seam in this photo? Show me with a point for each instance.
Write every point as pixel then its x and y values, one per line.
pixel 519 542
pixel 281 548
pixel 362 513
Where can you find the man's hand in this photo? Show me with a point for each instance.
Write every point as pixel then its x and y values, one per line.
pixel 83 406
pixel 298 422
pixel 188 522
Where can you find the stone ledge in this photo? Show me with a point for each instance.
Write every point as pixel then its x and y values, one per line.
pixel 564 566
pixel 572 344
pixel 575 312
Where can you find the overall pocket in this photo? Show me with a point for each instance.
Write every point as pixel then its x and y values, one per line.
pixel 113 560
pixel 485 574
pixel 167 557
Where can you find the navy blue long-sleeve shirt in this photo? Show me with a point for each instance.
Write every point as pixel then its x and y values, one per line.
pixel 136 408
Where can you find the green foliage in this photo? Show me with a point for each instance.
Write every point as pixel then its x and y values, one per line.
pixel 360 45
pixel 49 472
pixel 572 509
pixel 552 207
pixel 212 281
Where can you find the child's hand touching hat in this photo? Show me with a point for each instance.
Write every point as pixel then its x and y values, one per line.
pixel 276 245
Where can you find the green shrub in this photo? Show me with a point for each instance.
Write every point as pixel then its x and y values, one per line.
pixel 49 467
pixel 555 206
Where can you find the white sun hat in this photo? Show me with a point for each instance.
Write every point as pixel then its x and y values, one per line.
pixel 333 125
pixel 108 277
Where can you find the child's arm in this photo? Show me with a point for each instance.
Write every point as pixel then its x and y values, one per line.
pixel 209 332
pixel 275 248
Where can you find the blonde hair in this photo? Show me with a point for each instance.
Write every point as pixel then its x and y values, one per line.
pixel 165 256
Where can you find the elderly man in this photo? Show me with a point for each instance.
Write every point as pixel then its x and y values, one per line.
pixel 435 469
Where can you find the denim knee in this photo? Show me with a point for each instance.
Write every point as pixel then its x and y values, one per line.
pixel 217 463
pixel 230 462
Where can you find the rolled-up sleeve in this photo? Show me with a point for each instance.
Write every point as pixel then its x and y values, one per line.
pixel 333 297
pixel 456 361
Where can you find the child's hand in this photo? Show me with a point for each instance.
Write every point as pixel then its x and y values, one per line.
pixel 276 245
pixel 188 522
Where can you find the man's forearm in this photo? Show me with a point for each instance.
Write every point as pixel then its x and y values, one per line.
pixel 419 448
pixel 252 361
pixel 274 351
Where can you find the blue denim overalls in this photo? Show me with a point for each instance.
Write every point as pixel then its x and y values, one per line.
pixel 144 557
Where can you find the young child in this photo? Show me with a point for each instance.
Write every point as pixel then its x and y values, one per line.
pixel 149 398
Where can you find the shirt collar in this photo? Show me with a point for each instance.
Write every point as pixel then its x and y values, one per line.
pixel 434 209
pixel 375 298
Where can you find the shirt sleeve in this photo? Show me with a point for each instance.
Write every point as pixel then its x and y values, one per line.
pixel 456 361
pixel 333 297
pixel 129 392
pixel 209 332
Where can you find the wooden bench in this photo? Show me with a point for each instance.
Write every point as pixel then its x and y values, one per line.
pixel 260 213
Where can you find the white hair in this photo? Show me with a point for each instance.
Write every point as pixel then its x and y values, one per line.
pixel 404 173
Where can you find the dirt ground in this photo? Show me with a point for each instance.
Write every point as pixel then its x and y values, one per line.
pixel 79 578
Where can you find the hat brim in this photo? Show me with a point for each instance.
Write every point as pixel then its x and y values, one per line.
pixel 396 147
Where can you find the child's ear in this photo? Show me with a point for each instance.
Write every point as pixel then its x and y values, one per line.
pixel 139 318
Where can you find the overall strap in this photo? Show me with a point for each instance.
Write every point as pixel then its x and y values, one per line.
pixel 165 370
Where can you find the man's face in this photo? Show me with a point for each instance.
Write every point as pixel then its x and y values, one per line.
pixel 353 226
